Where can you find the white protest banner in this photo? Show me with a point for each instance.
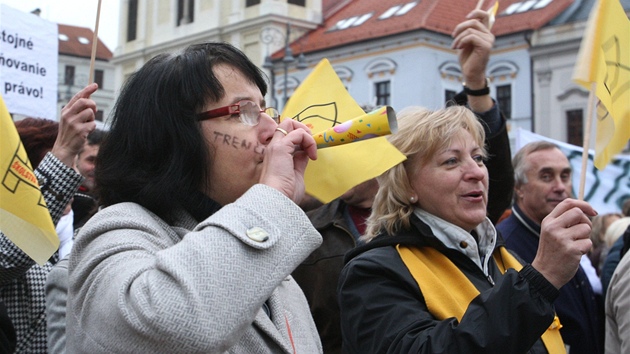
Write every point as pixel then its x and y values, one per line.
pixel 605 189
pixel 28 63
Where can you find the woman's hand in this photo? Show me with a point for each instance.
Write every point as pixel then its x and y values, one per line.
pixel 286 158
pixel 564 238
pixel 474 42
pixel 77 121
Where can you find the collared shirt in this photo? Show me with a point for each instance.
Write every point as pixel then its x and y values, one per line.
pixel 454 237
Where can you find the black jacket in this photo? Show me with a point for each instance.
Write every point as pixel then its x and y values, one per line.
pixel 318 274
pixel 7 331
pixel 383 310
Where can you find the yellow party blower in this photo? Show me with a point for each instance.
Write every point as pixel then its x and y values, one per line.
pixel 377 123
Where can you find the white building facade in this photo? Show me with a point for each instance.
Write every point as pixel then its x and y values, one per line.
pixel 394 52
pixel 150 27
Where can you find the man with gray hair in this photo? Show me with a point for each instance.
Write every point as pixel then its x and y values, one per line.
pixel 542 176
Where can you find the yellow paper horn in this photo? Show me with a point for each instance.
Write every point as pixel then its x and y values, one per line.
pixel 371 125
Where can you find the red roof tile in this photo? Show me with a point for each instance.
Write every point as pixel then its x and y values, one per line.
pixel 74 47
pixel 439 16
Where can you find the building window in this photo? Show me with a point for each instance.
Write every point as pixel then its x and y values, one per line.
pixel 503 74
pixel 575 127
pixel 449 97
pixel 249 3
pixel 99 115
pixel 345 75
pixel 451 77
pixel 185 11
pixel 132 20
pixel 380 72
pixel 382 93
pixel 98 78
pixel 298 2
pixel 68 77
pixel 504 98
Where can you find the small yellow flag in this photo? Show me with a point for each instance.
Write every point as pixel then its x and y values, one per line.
pixel 321 102
pixel 492 11
pixel 604 59
pixel 24 217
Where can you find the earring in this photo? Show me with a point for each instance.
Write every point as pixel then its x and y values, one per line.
pixel 413 199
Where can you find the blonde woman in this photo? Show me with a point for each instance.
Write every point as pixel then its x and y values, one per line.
pixel 434 276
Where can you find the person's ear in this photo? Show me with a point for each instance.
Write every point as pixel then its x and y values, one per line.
pixel 518 191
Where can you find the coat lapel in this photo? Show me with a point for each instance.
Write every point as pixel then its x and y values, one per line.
pixel 276 326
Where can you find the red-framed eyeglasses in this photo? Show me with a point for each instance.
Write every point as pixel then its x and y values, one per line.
pixel 248 113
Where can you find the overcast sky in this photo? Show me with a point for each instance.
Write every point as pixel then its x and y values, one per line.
pixel 80 13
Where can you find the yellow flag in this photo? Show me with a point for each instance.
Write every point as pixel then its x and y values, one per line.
pixel 24 217
pixel 321 102
pixel 604 59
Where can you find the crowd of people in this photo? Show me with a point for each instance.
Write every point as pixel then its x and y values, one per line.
pixel 173 241
pixel 22 280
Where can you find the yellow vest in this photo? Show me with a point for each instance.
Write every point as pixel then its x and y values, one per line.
pixel 448 292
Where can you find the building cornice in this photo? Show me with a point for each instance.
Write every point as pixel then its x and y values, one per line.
pixel 214 34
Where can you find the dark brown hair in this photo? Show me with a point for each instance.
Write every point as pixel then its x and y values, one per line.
pixel 38 136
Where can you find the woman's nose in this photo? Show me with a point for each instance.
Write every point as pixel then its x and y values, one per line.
pixel 475 170
pixel 266 127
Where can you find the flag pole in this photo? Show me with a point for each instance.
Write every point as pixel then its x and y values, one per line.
pixel 587 139
pixel 94 43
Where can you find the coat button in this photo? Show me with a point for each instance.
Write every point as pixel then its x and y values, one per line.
pixel 463 244
pixel 257 234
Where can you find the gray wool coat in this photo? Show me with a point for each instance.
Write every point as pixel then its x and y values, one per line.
pixel 139 285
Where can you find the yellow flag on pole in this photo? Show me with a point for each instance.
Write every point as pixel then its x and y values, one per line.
pixel 24 217
pixel 604 59
pixel 321 102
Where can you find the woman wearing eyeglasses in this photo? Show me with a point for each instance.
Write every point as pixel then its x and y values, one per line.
pixel 199 228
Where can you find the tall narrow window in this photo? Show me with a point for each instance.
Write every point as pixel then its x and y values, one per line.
pixel 185 11
pixel 68 77
pixel 249 3
pixel 98 78
pixel 382 93
pixel 99 116
pixel 504 98
pixel 575 127
pixel 298 2
pixel 132 20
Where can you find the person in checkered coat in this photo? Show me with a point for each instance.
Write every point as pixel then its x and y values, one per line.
pixel 21 279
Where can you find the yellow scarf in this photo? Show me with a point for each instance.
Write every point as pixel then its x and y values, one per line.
pixel 448 292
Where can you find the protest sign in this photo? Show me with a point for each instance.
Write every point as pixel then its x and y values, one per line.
pixel 28 63
pixel 605 189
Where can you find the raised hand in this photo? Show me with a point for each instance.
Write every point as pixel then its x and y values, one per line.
pixel 474 42
pixel 564 238
pixel 77 121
